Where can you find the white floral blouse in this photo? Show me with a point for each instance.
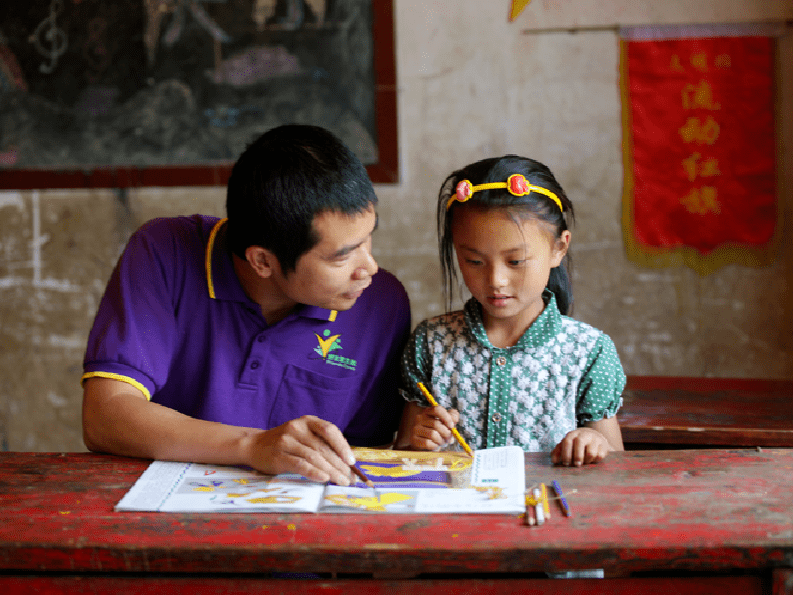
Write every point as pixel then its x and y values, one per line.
pixel 560 374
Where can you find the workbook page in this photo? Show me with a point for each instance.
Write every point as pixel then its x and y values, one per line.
pixel 404 481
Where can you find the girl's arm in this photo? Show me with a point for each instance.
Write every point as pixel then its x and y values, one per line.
pixel 425 428
pixel 610 428
pixel 421 428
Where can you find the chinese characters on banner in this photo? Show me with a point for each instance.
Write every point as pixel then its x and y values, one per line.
pixel 699 151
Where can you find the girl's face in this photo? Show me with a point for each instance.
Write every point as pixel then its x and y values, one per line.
pixel 505 263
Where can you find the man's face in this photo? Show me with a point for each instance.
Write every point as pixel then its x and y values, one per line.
pixel 334 273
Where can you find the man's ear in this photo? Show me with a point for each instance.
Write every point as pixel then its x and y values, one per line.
pixel 262 261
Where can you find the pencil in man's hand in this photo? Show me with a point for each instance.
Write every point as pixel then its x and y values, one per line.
pixel 369 483
pixel 434 403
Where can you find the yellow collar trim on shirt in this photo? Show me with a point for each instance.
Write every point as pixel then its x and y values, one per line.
pixel 208 262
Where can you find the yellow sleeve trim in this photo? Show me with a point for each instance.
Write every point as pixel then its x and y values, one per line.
pixel 113 376
pixel 208 257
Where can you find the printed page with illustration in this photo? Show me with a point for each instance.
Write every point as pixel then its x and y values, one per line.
pixel 493 481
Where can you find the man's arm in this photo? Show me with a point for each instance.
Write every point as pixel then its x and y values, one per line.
pixel 118 419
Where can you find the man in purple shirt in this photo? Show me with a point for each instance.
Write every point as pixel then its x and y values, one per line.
pixel 267 339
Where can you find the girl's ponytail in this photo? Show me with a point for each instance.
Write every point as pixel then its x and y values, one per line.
pixel 559 283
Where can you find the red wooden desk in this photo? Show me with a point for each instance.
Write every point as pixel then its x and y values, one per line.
pixel 720 521
pixel 695 412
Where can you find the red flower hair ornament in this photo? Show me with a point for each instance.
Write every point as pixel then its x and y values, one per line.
pixel 516 184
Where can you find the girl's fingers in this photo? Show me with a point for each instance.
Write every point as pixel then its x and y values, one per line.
pixel 432 419
pixel 442 415
pixel 430 434
pixel 433 428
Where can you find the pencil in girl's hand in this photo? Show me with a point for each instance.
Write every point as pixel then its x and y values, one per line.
pixel 434 403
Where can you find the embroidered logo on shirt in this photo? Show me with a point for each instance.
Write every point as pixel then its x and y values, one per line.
pixel 327 345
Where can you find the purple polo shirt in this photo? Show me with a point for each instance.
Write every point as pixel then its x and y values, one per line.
pixel 176 323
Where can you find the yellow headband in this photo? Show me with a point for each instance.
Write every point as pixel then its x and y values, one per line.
pixel 516 184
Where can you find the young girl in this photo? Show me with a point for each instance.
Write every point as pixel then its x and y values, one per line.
pixel 511 367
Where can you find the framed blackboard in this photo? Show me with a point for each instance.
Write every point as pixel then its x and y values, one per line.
pixel 113 93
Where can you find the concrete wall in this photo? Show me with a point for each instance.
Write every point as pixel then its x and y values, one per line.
pixel 470 84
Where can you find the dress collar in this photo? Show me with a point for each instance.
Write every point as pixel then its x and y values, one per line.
pixel 547 323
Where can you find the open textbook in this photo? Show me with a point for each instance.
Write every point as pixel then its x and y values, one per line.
pixel 493 481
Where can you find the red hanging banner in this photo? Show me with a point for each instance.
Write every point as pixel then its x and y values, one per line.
pixel 699 149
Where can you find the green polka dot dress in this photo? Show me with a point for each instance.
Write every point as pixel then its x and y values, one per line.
pixel 560 374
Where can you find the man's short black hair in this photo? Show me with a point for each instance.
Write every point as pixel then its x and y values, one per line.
pixel 282 181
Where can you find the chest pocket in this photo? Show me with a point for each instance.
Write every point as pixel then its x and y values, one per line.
pixel 303 392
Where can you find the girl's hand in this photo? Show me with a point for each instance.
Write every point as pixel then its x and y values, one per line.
pixel 581 447
pixel 589 444
pixel 433 428
pixel 426 428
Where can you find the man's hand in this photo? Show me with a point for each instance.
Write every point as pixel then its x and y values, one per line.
pixel 310 446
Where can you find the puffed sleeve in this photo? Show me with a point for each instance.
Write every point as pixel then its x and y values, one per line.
pixel 416 366
pixel 600 389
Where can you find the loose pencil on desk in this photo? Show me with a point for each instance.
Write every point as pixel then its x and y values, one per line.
pixel 434 403
pixel 546 508
pixel 538 508
pixel 531 518
pixel 562 500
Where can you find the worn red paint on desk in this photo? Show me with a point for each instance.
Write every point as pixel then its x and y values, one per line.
pixel 707 411
pixel 636 511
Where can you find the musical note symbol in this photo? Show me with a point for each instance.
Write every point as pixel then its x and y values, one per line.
pixel 53 35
